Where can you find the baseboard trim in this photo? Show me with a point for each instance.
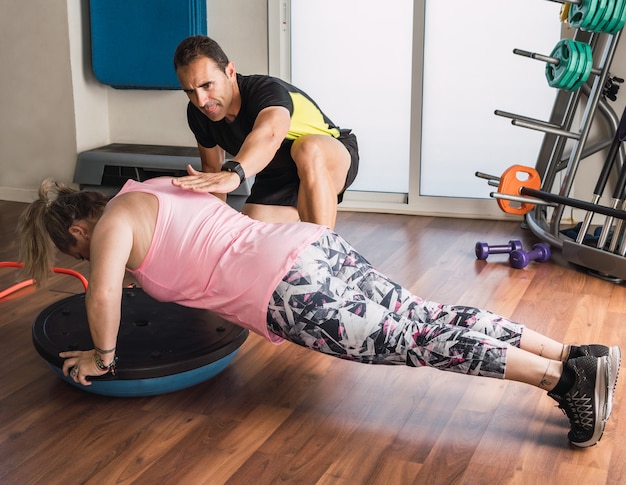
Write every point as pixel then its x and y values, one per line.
pixel 13 194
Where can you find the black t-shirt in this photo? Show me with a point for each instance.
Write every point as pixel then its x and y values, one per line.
pixel 259 92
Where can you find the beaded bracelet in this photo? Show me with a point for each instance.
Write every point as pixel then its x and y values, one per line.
pixel 111 367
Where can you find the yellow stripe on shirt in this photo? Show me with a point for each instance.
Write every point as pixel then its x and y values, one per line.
pixel 307 119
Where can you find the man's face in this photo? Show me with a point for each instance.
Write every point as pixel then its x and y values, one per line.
pixel 208 87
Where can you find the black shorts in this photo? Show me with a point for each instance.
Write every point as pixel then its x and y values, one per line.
pixel 278 183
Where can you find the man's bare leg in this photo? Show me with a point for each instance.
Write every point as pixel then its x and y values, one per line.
pixel 323 164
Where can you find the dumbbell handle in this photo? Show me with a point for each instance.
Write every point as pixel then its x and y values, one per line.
pixel 483 249
pixel 519 258
pixel 548 59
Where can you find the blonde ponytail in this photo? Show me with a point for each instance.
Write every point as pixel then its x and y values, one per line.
pixel 45 224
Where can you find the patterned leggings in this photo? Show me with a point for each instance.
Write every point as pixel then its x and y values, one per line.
pixel 333 301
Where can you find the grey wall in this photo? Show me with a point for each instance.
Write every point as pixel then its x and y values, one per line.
pixel 37 133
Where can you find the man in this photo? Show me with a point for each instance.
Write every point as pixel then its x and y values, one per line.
pixel 302 161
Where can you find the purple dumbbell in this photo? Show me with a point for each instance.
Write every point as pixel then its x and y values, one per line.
pixel 483 249
pixel 519 258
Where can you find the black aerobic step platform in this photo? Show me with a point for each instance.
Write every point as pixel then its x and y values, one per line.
pixel 108 167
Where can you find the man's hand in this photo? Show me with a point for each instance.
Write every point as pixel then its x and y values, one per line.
pixel 209 182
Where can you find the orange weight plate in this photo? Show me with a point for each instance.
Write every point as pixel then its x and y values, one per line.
pixel 512 181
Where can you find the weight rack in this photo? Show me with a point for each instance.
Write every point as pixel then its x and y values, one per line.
pixel 560 154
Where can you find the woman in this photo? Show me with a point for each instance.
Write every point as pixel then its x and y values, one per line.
pixel 294 281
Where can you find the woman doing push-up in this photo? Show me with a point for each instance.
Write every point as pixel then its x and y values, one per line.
pixel 290 281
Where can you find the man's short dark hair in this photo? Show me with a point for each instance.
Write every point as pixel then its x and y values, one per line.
pixel 197 46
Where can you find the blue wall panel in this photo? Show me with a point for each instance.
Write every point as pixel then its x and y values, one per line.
pixel 133 41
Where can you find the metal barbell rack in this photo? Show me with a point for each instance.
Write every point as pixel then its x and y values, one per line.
pixel 561 152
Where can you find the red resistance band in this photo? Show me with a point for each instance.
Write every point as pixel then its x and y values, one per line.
pixel 24 284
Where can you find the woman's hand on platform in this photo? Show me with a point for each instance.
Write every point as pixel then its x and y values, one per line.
pixel 79 365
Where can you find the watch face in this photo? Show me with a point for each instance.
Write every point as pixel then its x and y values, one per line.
pixel 232 166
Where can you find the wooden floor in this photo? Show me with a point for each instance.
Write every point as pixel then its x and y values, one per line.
pixel 282 414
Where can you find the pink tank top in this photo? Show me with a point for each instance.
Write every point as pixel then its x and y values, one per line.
pixel 204 254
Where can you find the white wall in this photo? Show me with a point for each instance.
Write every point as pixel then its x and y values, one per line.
pixel 460 133
pixel 355 88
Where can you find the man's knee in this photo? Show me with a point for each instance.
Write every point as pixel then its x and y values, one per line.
pixel 315 155
pixel 306 150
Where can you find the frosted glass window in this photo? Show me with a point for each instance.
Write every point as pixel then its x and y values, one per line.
pixel 469 72
pixel 354 58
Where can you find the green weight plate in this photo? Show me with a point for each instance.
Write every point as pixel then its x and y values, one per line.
pixel 594 22
pixel 560 75
pixel 586 64
pixel 580 15
pixel 621 18
pixel 608 15
pixel 615 19
pixel 555 72
pixel 575 68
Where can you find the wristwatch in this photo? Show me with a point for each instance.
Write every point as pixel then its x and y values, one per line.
pixel 233 166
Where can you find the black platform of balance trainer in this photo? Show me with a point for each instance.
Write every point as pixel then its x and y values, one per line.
pixel 162 347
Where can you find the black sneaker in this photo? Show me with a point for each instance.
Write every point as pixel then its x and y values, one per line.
pixel 614 357
pixel 594 350
pixel 585 403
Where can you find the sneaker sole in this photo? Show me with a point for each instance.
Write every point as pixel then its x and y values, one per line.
pixel 600 396
pixel 614 361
